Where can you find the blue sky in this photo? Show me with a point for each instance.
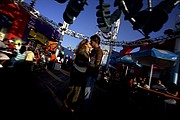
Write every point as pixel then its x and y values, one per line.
pixel 86 23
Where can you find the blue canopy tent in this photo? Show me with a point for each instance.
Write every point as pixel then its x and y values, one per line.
pixel 153 56
pixel 114 56
pixel 127 60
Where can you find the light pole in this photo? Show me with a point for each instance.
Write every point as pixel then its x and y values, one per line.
pixel 63 28
pixel 112 39
pixel 176 68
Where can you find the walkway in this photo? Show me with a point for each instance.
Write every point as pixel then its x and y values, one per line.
pixel 40 95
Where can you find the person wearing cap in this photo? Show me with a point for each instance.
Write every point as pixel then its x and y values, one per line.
pixel 92 70
pixel 11 46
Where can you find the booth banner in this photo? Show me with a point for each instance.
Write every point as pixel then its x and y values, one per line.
pixel 52 45
pixel 43 28
pixel 38 36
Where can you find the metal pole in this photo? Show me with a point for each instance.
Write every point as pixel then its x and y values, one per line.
pixel 175 77
pixel 150 75
pixel 63 29
pixel 176 67
pixel 109 55
pixel 114 37
pixel 127 67
pixel 150 5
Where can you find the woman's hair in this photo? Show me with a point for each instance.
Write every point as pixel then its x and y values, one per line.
pixel 81 45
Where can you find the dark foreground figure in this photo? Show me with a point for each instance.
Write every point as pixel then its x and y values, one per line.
pixel 37 95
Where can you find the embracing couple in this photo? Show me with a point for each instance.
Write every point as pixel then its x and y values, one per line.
pixel 88 56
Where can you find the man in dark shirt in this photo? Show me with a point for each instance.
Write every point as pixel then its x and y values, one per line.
pixel 92 70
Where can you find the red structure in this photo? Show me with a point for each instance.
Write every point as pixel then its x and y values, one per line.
pixel 166 45
pixel 17 19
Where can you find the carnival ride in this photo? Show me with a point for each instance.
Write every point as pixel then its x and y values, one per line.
pixel 108 39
